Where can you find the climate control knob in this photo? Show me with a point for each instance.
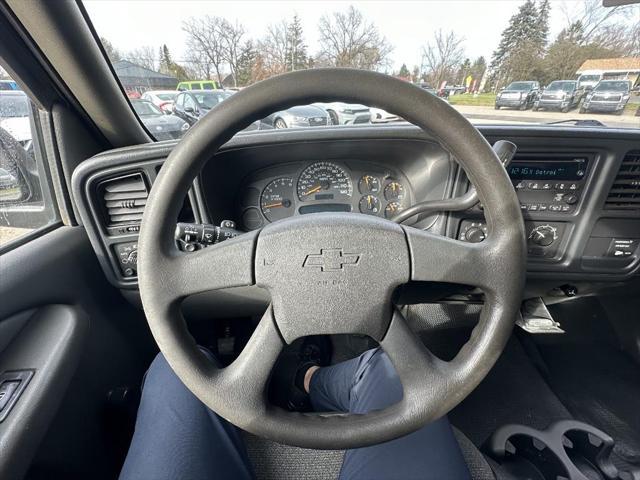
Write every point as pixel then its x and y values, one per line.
pixel 544 235
pixel 475 235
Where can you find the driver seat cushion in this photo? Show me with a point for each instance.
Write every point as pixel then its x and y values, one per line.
pixel 273 461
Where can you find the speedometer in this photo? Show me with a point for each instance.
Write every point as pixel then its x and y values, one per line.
pixel 325 181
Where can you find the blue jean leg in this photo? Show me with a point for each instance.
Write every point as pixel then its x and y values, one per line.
pixel 178 437
pixel 368 383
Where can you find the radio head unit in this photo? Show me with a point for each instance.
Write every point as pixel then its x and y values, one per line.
pixel 548 184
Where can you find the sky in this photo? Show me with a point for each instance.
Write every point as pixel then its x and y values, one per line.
pixel 407 25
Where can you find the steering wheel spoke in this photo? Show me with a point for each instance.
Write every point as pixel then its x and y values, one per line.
pixel 435 258
pixel 421 372
pixel 224 265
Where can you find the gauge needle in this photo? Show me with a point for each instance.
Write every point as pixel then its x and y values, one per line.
pixel 369 200
pixel 366 179
pixel 273 205
pixel 313 190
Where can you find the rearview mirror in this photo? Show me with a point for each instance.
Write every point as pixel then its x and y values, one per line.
pixel 189 109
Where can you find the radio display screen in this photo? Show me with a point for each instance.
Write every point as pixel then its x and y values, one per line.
pixel 548 170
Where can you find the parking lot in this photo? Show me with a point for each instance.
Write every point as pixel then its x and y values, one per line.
pixel 479 113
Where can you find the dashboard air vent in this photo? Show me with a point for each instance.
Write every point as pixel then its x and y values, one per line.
pixel 625 192
pixel 124 199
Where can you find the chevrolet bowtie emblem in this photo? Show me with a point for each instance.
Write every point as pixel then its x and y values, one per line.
pixel 331 259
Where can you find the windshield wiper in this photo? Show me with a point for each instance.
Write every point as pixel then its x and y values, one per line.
pixel 580 122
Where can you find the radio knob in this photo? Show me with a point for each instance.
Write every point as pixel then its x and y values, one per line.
pixel 544 235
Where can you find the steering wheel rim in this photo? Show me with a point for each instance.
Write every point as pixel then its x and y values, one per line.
pixel 289 258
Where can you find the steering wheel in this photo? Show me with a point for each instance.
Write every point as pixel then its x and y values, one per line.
pixel 332 273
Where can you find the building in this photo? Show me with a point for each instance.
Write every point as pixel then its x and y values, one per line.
pixel 136 79
pixel 626 68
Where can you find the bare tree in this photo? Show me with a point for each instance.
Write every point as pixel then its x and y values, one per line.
pixel 347 39
pixel 274 48
pixel 144 56
pixel 442 56
pixel 232 39
pixel 206 40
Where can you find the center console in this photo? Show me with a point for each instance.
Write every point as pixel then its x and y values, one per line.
pixel 550 190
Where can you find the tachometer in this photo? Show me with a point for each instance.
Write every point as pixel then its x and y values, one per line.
pixel 324 181
pixel 276 200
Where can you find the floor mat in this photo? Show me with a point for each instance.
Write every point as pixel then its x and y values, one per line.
pixel 598 382
pixel 513 392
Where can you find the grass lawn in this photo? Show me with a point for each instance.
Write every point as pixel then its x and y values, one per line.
pixel 481 100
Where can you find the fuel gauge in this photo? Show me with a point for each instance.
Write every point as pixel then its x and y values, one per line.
pixel 370 205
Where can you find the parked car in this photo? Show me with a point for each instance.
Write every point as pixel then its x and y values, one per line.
pixel 346 113
pixel 14 116
pixel 197 85
pixel 377 115
pixel 520 95
pixel 163 126
pixel 607 96
pixel 163 99
pixel 192 105
pixel 299 116
pixel 561 95
pixel 8 85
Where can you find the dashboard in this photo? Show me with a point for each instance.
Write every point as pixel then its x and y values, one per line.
pixel 302 188
pixel 579 192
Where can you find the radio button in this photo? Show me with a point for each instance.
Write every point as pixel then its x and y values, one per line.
pixel 542 207
pixel 554 208
pixel 546 186
pixel 573 186
pixel 565 208
pixel 561 186
pixel 533 207
pixel 533 186
pixel 520 186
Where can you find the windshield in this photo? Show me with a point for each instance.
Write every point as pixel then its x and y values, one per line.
pixel 143 108
pixel 13 106
pixel 520 86
pixel 491 76
pixel 209 100
pixel 612 86
pixel 561 86
pixel 168 97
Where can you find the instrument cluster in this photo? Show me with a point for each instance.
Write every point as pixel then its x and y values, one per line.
pixel 323 186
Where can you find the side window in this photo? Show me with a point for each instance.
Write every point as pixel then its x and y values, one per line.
pixel 189 102
pixel 208 86
pixel 180 100
pixel 25 201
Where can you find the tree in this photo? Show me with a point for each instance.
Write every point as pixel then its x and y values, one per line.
pixel 296 49
pixel 442 56
pixel 206 41
pixel 167 66
pixel 463 71
pixel 404 72
pixel 143 56
pixel 232 41
pixel 478 67
pixel 274 48
pixel 246 64
pixel 347 39
pixel 522 45
pixel 113 54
